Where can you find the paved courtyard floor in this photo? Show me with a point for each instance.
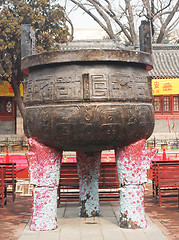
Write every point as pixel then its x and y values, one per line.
pixel 105 227
pixel 163 222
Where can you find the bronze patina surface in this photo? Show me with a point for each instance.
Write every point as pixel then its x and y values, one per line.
pixel 88 99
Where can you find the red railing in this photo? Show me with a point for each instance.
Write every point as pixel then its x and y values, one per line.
pixel 21 161
pixel 22 164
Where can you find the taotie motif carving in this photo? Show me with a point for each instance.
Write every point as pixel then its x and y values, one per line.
pixel 44 169
pixel 93 127
pixel 132 164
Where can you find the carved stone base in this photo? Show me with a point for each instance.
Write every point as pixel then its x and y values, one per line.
pixel 132 213
pixel 88 165
pixel 132 164
pixel 44 211
pixel 44 169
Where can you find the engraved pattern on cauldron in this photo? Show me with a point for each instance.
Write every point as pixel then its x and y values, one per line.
pixel 89 105
pixel 67 84
pixel 90 127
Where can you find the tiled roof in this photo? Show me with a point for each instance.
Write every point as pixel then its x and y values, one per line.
pixel 166 60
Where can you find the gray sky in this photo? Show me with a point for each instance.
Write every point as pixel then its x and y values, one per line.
pixel 79 18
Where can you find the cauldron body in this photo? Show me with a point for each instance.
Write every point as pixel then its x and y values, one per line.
pixel 96 102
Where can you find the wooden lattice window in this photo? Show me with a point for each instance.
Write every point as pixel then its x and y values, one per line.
pixel 157 104
pixel 166 104
pixel 7 108
pixel 176 103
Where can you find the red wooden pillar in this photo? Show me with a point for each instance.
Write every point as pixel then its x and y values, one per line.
pixel 164 155
pixel 7 156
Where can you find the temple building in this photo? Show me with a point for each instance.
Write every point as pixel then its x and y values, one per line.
pixel 165 85
pixel 11 122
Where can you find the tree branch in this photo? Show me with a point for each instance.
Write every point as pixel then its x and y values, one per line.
pixel 167 21
pixel 114 17
pixel 163 7
pixel 94 17
pixel 158 12
pixel 146 4
pixel 72 28
pixel 174 24
pixel 99 9
pixel 131 20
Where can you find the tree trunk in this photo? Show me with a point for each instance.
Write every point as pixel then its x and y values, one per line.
pixel 18 98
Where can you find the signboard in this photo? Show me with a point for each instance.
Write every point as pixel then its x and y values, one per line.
pixel 6 89
pixel 165 86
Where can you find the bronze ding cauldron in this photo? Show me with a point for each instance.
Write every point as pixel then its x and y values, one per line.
pixel 88 99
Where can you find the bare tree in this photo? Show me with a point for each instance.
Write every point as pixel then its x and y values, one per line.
pixel 122 16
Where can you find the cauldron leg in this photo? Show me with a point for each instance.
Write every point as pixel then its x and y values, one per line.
pixel 132 164
pixel 88 165
pixel 44 169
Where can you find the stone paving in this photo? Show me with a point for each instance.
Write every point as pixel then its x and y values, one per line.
pixel 166 216
pixel 163 222
pixel 105 227
pixel 14 217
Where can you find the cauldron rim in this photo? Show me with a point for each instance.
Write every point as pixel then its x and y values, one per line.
pixel 86 55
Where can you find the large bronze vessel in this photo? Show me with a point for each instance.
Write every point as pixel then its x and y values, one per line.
pixel 88 99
